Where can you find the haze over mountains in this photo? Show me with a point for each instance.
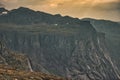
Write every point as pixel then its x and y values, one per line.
pixel 85 49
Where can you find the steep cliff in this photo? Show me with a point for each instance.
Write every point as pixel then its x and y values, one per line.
pixel 69 55
pixel 112 36
pixel 71 48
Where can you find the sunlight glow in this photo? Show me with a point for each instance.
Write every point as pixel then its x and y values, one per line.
pixel 75 8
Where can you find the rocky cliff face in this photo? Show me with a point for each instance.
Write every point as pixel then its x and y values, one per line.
pixel 70 56
pixel 16 66
pixel 13 59
pixel 71 49
pixel 112 37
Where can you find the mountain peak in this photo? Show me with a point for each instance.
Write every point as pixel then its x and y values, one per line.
pixel 22 9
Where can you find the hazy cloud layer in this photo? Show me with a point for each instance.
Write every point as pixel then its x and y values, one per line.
pixel 109 6
pixel 2 5
pixel 108 9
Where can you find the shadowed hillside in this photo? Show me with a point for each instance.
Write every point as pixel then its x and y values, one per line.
pixel 14 66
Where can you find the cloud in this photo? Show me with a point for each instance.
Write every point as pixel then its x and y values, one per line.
pixel 9 1
pixel 54 3
pixel 1 5
pixel 112 6
pixel 76 8
pixel 108 9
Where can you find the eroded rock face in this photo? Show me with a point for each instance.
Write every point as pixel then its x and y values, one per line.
pixel 16 66
pixel 75 57
pixel 91 61
pixel 13 59
pixel 112 31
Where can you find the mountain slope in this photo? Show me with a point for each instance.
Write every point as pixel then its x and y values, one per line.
pixel 58 45
pixel 11 74
pixel 13 59
pixel 14 66
pixel 112 35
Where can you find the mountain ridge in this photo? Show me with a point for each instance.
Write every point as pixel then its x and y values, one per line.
pixel 35 17
pixel 58 45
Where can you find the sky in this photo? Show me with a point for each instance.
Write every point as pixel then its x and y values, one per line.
pixel 99 9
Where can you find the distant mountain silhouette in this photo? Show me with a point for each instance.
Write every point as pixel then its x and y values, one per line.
pixel 24 15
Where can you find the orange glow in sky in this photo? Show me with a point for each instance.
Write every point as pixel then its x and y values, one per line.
pixel 104 9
